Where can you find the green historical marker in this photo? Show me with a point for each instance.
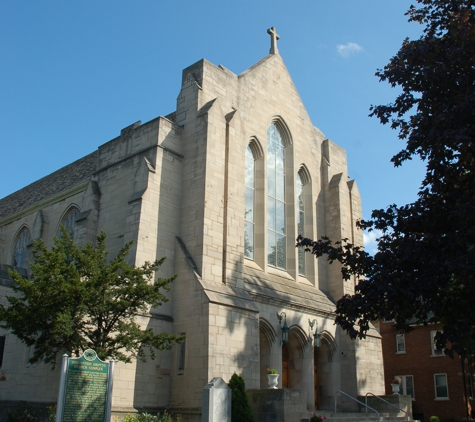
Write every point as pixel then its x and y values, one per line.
pixel 85 389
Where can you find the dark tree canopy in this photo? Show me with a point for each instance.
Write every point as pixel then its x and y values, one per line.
pixel 76 299
pixel 424 269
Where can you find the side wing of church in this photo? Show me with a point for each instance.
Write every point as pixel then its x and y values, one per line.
pixel 222 187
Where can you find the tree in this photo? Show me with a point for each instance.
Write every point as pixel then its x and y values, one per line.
pixel 77 300
pixel 240 409
pixel 424 269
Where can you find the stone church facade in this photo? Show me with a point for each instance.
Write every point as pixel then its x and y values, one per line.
pixel 221 187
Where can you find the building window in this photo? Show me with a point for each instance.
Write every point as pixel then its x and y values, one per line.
pixel 400 343
pixel 300 222
pixel 181 357
pixel 69 221
pixel 436 351
pixel 276 238
pixel 249 205
pixel 441 387
pixel 470 381
pixel 21 245
pixel 2 349
pixel 406 386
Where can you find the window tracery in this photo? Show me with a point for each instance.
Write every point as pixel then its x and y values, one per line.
pixel 276 231
pixel 300 222
pixel 249 205
pixel 69 221
pixel 19 253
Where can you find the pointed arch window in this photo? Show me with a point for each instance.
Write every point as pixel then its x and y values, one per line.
pixel 249 204
pixel 21 245
pixel 300 211
pixel 276 233
pixel 69 221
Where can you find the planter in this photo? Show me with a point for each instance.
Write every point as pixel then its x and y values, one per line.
pixel 273 380
pixel 395 388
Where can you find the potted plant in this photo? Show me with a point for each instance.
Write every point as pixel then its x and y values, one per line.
pixel 316 418
pixel 395 383
pixel 272 378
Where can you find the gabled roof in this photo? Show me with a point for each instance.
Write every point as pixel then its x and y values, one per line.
pixel 50 185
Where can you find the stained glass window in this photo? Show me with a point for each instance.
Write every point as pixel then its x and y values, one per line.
pixel 276 240
pixel 19 254
pixel 249 205
pixel 69 222
pixel 300 222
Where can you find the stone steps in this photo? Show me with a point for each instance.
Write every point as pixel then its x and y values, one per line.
pixel 359 417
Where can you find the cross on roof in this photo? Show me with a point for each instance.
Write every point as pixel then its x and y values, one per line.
pixel 273 40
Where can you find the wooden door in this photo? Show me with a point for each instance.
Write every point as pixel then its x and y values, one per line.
pixel 285 366
pixel 315 377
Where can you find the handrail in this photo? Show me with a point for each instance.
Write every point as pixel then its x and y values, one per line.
pixel 360 402
pixel 393 405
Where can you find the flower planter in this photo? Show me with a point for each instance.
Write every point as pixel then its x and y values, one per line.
pixel 273 380
pixel 395 388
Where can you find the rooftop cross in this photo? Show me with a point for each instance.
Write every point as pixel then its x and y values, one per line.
pixel 273 40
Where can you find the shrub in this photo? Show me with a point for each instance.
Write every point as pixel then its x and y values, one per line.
pixel 147 417
pixel 240 409
pixel 22 415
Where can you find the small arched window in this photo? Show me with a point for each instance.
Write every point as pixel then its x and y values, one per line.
pixel 21 245
pixel 69 221
pixel 276 233
pixel 249 205
pixel 300 222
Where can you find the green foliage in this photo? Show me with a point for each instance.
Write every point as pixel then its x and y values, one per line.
pixel 317 418
pixel 51 413
pixel 77 300
pixel 272 371
pixel 147 417
pixel 240 409
pixel 424 269
pixel 23 415
pixel 434 419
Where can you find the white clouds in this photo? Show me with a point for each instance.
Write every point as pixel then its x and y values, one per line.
pixel 370 241
pixel 348 49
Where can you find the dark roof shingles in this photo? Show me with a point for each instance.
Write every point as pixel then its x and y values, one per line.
pixel 52 184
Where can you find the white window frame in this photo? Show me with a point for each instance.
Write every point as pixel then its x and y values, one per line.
pixel 446 386
pixel 400 337
pixel 403 385
pixel 435 352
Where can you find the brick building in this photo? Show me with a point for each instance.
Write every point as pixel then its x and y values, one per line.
pixel 213 186
pixel 435 382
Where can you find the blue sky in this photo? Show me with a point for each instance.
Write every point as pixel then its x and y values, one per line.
pixel 73 74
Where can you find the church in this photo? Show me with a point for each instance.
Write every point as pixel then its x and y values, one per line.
pixel 221 186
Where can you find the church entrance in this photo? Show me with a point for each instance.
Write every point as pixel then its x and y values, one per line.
pixel 285 366
pixel 315 377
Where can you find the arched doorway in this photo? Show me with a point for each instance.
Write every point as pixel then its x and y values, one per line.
pixel 285 366
pixel 267 337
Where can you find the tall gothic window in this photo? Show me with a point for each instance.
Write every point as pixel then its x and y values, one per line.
pixel 300 222
pixel 276 199
pixel 69 221
pixel 19 253
pixel 249 205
